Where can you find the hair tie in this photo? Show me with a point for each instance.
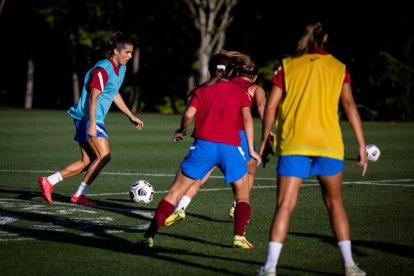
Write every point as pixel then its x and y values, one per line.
pixel 221 67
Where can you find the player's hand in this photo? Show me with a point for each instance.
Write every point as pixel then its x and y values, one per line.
pixel 256 157
pixel 362 160
pixel 266 148
pixel 137 122
pixel 178 135
pixel 92 131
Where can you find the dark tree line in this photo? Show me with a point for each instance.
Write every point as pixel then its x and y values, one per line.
pixel 61 39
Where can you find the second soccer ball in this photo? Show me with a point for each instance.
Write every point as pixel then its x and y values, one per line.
pixel 373 152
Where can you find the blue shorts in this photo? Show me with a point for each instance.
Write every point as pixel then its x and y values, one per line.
pixel 204 155
pixel 244 146
pixel 81 128
pixel 305 166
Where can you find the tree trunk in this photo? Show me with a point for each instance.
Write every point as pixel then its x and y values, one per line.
pixel 135 94
pixel 75 76
pixel 211 18
pixel 28 98
pixel 2 2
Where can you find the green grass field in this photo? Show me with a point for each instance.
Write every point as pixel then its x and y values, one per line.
pixel 65 239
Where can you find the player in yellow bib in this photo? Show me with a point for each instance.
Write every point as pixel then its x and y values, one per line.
pixel 306 91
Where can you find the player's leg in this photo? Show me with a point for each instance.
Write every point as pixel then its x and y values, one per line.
pixel 179 212
pixel 332 196
pixel 291 171
pixel 330 176
pixel 47 183
pixel 233 164
pixel 241 213
pixel 331 191
pixel 166 206
pixel 197 163
pixel 251 173
pixel 287 195
pixel 251 167
pixel 87 156
pixel 101 151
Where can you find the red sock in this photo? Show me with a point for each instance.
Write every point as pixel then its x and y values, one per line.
pixel 241 216
pixel 164 210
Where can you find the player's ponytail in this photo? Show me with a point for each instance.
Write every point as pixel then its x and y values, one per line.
pixel 313 38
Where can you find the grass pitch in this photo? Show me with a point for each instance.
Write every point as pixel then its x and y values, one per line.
pixel 64 239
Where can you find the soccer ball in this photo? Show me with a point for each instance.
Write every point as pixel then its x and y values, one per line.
pixel 373 152
pixel 141 191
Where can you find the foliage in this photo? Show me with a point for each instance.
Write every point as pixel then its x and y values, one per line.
pixel 394 77
pixel 172 106
pixel 65 37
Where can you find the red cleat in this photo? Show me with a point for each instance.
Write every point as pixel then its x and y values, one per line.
pixel 82 200
pixel 47 189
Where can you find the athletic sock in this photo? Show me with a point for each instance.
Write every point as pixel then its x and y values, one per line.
pixel 346 252
pixel 54 178
pixel 241 216
pixel 183 203
pixel 164 210
pixel 273 253
pixel 82 189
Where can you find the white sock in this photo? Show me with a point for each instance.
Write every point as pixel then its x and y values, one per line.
pixel 273 253
pixel 234 203
pixel 54 178
pixel 346 252
pixel 83 188
pixel 183 203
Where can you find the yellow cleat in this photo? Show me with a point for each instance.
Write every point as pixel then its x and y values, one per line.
pixel 241 242
pixel 176 216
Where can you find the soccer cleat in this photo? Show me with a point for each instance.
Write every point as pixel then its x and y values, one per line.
pixel 263 272
pixel 176 216
pixel 47 189
pixel 241 242
pixel 144 243
pixel 354 270
pixel 231 212
pixel 81 200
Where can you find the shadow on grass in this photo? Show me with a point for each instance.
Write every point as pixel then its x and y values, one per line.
pixel 396 249
pixel 101 239
pixel 206 218
pixel 43 222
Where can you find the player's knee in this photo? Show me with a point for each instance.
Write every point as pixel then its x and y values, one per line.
pixel 106 158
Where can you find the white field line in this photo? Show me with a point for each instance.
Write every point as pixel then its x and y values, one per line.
pixel 307 183
pixel 66 209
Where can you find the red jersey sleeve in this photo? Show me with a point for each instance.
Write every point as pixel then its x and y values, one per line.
pixel 195 99
pixel 278 78
pixel 246 99
pixel 98 79
pixel 347 78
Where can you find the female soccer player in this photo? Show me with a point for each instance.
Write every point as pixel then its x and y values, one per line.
pixel 307 89
pixel 100 89
pixel 216 106
pixel 245 74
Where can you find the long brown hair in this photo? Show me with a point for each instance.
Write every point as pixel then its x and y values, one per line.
pixel 312 39
pixel 243 64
